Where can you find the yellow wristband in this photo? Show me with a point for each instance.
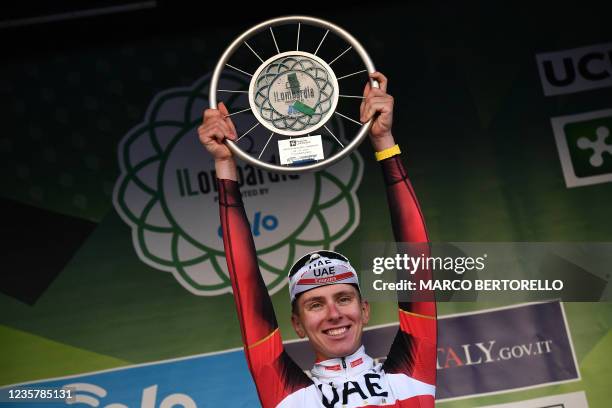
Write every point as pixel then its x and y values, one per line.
pixel 389 152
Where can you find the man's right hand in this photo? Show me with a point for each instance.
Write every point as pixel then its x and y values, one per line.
pixel 215 128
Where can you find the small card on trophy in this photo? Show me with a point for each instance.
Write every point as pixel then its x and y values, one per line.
pixel 300 150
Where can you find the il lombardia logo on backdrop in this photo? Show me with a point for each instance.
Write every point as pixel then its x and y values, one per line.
pixel 167 194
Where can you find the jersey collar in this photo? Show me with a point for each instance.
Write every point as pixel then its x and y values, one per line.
pixel 348 366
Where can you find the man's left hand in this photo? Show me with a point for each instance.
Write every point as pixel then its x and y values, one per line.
pixel 378 105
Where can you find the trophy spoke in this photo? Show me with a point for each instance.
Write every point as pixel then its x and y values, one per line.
pixel 266 145
pixel 351 119
pixel 253 51
pixel 234 113
pixel 247 132
pixel 322 39
pixel 239 70
pixel 274 39
pixel 297 45
pixel 351 96
pixel 354 73
pixel 341 54
pixel 334 136
pixel 229 90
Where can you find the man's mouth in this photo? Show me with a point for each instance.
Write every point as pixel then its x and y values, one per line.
pixel 339 331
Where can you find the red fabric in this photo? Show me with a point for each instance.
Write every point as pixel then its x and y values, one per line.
pixel 333 368
pixel 327 279
pixel 414 350
pixel 418 326
pixel 275 375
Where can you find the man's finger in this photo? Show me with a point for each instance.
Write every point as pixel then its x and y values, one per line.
pixel 367 113
pixel 377 92
pixel 225 129
pixel 210 136
pixel 366 89
pixel 382 80
pixel 217 130
pixel 232 134
pixel 209 113
pixel 368 110
pixel 361 108
pixel 378 101
pixel 220 131
pixel 222 108
pixel 374 107
pixel 228 121
pixel 380 97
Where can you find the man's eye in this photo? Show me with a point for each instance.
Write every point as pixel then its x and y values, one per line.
pixel 314 306
pixel 345 299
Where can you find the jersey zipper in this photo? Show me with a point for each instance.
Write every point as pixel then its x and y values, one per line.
pixel 344 367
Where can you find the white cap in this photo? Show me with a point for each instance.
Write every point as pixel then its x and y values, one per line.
pixel 320 268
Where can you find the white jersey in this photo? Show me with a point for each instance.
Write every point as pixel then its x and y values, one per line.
pixel 355 381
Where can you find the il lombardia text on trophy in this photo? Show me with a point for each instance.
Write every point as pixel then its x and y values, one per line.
pixel 294 99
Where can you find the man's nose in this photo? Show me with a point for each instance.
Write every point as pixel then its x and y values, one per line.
pixel 333 312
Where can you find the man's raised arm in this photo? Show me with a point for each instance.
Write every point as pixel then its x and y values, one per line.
pixel 274 373
pixel 414 348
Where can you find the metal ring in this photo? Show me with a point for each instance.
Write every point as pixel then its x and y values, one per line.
pixel 346 150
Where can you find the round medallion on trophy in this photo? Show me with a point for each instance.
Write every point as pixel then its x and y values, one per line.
pixel 293 93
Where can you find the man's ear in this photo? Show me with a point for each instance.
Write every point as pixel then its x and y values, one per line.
pixel 365 309
pixel 297 326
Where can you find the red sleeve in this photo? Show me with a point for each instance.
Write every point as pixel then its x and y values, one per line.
pixel 275 374
pixel 414 348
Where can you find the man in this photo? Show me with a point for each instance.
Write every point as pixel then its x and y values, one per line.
pixel 328 310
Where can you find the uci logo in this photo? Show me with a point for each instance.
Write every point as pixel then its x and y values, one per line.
pixel 575 70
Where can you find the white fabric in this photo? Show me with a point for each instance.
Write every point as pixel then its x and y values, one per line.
pixel 320 271
pixel 344 382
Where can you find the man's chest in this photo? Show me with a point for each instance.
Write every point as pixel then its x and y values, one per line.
pixel 369 388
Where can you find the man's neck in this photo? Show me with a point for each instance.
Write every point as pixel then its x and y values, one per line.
pixel 322 357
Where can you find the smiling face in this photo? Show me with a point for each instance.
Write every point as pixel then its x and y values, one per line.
pixel 332 317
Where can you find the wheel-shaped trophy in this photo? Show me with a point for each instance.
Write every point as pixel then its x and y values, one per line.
pixel 293 107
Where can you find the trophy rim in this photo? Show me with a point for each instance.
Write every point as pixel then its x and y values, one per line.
pixel 352 41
